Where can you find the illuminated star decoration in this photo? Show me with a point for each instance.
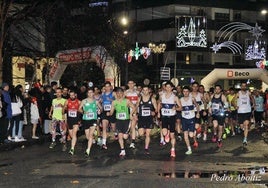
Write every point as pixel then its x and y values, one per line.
pixel 230 29
pixel 256 31
pixel 233 46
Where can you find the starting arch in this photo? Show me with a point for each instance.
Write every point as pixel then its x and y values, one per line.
pixel 97 54
pixel 235 74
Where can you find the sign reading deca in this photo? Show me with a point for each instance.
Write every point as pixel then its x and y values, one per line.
pixel 236 74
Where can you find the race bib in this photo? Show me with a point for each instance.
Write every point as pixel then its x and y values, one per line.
pixel 167 112
pixel 72 113
pixel 107 107
pixel 215 106
pixel 122 116
pixel 146 112
pixel 244 102
pixel 185 113
pixel 90 115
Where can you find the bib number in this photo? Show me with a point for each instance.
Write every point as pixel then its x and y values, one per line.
pixel 72 113
pixel 215 106
pixel 145 112
pixel 122 116
pixel 90 115
pixel 184 114
pixel 244 102
pixel 107 107
pixel 167 112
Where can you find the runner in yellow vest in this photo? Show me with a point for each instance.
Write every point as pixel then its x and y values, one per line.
pixel 58 119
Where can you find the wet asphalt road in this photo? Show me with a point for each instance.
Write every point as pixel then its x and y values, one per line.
pixel 33 164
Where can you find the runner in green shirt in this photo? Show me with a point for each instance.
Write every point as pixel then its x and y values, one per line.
pixel 89 108
pixel 121 107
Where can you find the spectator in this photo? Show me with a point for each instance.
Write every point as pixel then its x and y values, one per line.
pixel 8 111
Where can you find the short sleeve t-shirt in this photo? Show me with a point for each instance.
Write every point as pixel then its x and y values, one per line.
pixel 58 105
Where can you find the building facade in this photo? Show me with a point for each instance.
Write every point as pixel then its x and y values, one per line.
pixel 160 21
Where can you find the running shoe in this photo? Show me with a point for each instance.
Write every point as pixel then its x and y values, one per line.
pixel 167 138
pixel 179 138
pixel 122 153
pixel 189 152
pixel 52 145
pixel 99 143
pixel 146 151
pixel 224 136
pixel 116 136
pixel 10 139
pixel 162 143
pixel 214 138
pixel 87 152
pixel 198 132
pixel 22 139
pixel 34 137
pixel 227 130
pixel 199 135
pixel 104 147
pixel 17 139
pixel 195 145
pixel 132 145
pixel 245 142
pixel 64 147
pixel 219 144
pixel 71 151
pixel 205 137
pixel 172 153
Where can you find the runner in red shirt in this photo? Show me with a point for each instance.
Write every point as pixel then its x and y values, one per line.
pixel 73 118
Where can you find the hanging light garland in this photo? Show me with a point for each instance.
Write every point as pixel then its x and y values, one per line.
pixel 137 52
pixel 262 64
pixel 157 49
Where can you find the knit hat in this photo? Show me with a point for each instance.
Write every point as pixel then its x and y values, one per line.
pixel 4 85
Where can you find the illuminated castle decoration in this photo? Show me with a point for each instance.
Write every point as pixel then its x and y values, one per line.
pixel 193 34
pixel 255 49
pixel 137 52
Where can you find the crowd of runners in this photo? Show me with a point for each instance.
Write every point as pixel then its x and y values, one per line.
pixel 186 113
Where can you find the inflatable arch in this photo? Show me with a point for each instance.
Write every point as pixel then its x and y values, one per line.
pixel 235 74
pixel 97 54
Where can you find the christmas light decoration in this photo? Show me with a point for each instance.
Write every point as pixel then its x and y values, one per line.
pixel 262 63
pixel 230 29
pixel 233 46
pixel 255 49
pixel 191 32
pixel 137 52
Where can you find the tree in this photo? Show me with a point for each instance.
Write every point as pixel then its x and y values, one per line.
pixel 4 8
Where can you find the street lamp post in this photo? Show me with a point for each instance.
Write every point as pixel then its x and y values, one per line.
pixel 157 49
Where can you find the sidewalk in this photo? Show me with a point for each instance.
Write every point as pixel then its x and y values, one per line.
pixel 27 134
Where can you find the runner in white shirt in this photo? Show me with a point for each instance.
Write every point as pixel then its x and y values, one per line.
pixel 167 107
pixel 132 95
pixel 244 104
